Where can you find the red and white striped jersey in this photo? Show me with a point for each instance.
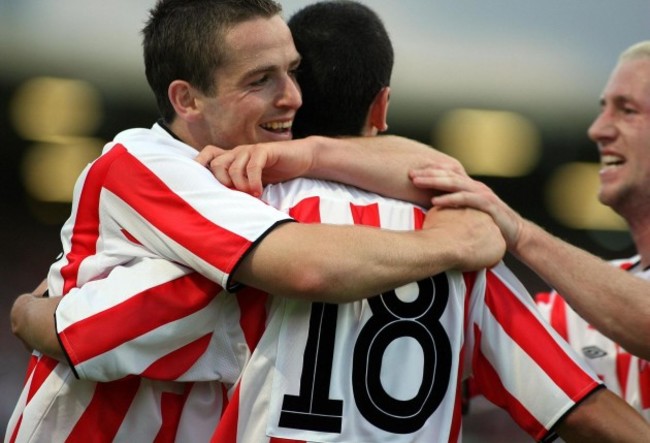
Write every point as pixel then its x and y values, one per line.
pixel 178 350
pixel 181 347
pixel 622 372
pixel 388 369
pixel 144 200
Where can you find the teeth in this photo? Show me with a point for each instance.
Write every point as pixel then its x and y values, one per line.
pixel 610 160
pixel 277 125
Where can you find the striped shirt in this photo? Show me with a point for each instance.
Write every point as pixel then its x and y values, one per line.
pixel 623 373
pixel 462 316
pixel 144 199
pixel 388 369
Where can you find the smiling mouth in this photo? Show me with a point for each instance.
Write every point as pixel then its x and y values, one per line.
pixel 277 127
pixel 610 161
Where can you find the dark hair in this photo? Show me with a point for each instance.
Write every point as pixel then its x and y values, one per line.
pixel 347 58
pixel 184 40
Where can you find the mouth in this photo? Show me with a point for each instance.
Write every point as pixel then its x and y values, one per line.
pixel 611 161
pixel 278 127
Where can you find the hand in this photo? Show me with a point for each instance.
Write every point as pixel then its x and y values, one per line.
pixel 17 310
pixel 32 322
pixel 461 191
pixel 476 238
pixel 16 317
pixel 248 167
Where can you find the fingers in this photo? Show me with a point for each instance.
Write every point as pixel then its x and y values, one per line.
pixel 254 169
pixel 441 179
pixel 218 161
pixel 463 199
pixel 457 190
pixel 239 168
pixel 246 171
pixel 207 154
pixel 219 167
pixel 237 171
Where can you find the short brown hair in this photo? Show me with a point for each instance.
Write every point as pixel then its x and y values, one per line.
pixel 184 40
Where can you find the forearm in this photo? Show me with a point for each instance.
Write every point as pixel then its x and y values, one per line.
pixel 610 299
pixel 343 263
pixel 32 321
pixel 379 164
pixel 604 417
pixel 346 263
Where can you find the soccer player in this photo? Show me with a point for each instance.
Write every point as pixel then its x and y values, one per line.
pixel 255 370
pixel 389 368
pixel 222 72
pixel 602 309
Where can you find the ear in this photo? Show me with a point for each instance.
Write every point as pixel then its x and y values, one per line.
pixel 183 98
pixel 378 113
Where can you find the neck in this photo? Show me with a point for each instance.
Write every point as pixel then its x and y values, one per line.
pixel 640 231
pixel 181 132
pixel 165 126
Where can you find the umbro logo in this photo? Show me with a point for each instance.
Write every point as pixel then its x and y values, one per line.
pixel 593 352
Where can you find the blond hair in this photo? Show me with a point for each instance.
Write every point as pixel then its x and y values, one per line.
pixel 636 51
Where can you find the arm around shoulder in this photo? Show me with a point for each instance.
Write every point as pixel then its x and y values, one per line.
pixel 320 262
pixel 379 164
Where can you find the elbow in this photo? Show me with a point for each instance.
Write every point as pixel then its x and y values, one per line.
pixel 15 322
pixel 18 313
pixel 319 288
pixel 309 284
pixel 639 344
pixel 316 284
pixel 632 334
pixel 631 331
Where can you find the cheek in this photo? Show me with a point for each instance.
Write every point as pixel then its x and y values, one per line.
pixel 225 128
pixel 645 169
pixel 255 107
pixel 241 119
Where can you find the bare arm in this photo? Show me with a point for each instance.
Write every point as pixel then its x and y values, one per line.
pixel 346 263
pixel 377 164
pixel 610 299
pixel 32 321
pixel 604 417
pixel 327 270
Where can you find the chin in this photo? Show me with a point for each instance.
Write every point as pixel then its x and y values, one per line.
pixel 606 198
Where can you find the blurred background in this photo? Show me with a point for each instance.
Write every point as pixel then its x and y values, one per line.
pixel 508 86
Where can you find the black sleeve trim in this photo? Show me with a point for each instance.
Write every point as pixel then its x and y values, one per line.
pixel 67 357
pixel 552 434
pixel 234 286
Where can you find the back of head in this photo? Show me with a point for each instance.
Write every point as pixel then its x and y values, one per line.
pixel 184 40
pixel 347 58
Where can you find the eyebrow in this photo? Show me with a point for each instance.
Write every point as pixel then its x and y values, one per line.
pixel 270 68
pixel 259 70
pixel 617 100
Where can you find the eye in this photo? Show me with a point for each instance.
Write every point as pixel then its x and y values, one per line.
pixel 260 81
pixel 294 72
pixel 628 110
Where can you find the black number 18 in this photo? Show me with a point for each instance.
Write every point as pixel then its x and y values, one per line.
pixel 392 318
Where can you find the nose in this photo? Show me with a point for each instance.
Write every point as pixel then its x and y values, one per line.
pixel 603 127
pixel 290 95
